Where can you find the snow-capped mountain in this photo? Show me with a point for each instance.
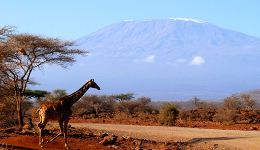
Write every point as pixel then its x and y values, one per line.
pixel 176 37
pixel 168 59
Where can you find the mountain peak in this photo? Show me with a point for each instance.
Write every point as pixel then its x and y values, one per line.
pixel 173 36
pixel 176 19
pixel 184 19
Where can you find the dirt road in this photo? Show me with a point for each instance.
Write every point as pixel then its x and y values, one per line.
pixel 197 138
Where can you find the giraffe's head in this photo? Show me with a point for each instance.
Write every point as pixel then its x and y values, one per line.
pixel 93 84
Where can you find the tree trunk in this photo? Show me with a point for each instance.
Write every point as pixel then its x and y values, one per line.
pixel 19 112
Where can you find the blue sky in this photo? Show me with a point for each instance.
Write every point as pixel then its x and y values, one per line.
pixel 71 20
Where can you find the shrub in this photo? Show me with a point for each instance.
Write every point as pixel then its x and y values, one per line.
pixel 92 116
pixel 168 114
pixel 130 107
pixel 232 103
pixel 8 113
pixel 8 122
pixel 93 104
pixel 121 116
pixel 206 111
pixel 103 115
pixel 184 115
pixel 224 115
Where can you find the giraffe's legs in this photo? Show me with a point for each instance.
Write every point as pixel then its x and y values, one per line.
pixel 65 133
pixel 41 125
pixel 41 140
pixel 61 132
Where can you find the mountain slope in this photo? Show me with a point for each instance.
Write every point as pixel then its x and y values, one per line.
pixel 254 94
pixel 167 36
pixel 170 59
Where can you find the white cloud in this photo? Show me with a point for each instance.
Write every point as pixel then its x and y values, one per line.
pixel 149 58
pixel 177 62
pixel 197 61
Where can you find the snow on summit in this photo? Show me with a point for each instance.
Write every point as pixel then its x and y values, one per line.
pixel 181 19
pixel 184 19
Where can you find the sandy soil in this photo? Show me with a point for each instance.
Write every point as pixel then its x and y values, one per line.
pixel 197 138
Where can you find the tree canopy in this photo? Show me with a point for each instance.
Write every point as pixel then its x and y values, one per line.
pixel 123 97
pixel 52 96
pixel 35 93
pixel 20 54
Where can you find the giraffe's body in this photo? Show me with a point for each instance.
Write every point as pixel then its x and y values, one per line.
pixel 61 111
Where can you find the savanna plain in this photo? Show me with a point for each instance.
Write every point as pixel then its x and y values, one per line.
pixel 123 122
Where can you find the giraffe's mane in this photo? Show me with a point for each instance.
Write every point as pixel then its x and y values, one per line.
pixel 61 98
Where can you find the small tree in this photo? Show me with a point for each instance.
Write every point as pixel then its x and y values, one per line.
pixel 168 114
pixel 250 103
pixel 35 93
pixel 232 103
pixel 128 107
pixel 91 103
pixel 20 54
pixel 197 102
pixel 51 97
pixel 144 100
pixel 124 97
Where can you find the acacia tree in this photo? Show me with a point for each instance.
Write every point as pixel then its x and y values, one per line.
pixel 51 96
pixel 4 53
pixel 23 53
pixel 123 97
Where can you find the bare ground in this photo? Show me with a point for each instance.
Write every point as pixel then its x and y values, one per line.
pixel 197 138
pixel 194 138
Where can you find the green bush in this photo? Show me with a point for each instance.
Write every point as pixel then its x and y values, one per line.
pixel 168 114
pixel 103 115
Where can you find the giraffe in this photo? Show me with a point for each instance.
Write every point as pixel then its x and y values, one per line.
pixel 61 111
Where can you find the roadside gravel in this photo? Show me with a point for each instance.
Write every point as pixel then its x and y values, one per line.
pixel 197 138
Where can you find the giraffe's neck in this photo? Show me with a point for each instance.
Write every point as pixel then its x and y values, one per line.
pixel 74 97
